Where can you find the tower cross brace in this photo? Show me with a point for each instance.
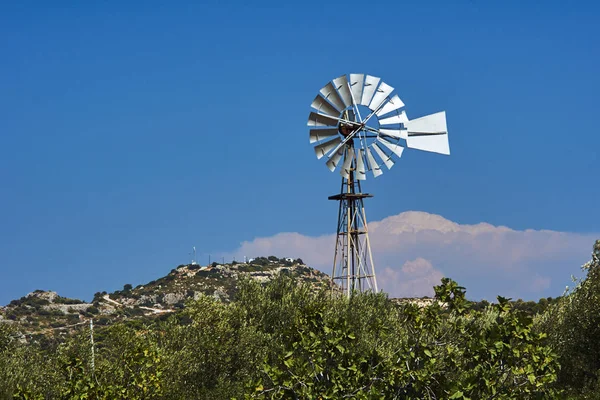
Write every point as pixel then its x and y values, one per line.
pixel 353 268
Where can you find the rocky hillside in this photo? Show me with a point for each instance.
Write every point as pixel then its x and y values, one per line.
pixel 47 312
pixel 219 281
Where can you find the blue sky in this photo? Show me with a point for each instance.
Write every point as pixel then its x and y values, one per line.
pixel 130 133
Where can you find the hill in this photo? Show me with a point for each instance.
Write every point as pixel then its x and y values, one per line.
pixel 47 312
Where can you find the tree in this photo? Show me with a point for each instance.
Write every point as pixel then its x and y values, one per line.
pixel 573 327
pixel 24 370
pixel 364 348
pixel 127 365
pixel 284 339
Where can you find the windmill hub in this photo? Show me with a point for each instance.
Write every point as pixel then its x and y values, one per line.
pixel 361 108
pixel 346 129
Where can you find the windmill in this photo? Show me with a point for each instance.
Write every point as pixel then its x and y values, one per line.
pixel 356 124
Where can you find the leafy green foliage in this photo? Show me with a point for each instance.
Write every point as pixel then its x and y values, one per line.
pixel 573 327
pixel 127 365
pixel 292 339
pixel 363 348
pixel 25 369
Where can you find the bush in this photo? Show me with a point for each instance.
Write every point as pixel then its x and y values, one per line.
pixel 136 311
pixel 98 296
pixel 64 300
pixel 250 268
pixel 34 301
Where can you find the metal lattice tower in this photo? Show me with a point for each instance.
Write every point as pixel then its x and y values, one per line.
pixel 353 268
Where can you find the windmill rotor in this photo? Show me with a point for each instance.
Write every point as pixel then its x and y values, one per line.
pixel 363 109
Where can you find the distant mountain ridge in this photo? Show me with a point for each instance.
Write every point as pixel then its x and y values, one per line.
pixel 45 311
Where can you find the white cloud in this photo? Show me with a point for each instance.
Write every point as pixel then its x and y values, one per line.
pixel 487 259
pixel 415 278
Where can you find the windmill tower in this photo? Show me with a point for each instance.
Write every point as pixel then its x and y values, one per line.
pixel 355 118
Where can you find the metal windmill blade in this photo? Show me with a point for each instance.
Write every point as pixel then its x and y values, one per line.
pixel 325 148
pixel 371 83
pixel 346 169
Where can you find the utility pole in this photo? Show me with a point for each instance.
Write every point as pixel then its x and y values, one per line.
pixel 92 364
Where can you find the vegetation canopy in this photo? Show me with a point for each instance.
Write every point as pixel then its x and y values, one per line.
pixel 288 339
